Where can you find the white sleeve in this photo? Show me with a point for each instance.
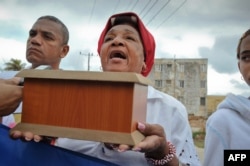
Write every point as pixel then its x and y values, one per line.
pixel 172 116
pixel 214 148
pixel 9 120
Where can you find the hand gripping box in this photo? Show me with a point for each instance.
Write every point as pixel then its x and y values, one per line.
pixel 96 106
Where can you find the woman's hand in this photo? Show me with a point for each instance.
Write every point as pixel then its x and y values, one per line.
pixel 154 145
pixel 27 136
pixel 154 142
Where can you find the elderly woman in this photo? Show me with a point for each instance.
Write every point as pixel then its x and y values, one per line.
pixel 125 45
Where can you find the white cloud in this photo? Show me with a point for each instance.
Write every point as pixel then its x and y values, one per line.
pixel 186 46
pixel 84 37
pixel 193 26
pixel 10 48
pixel 5 14
pixel 220 84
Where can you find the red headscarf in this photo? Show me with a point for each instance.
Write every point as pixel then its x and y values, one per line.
pixel 147 40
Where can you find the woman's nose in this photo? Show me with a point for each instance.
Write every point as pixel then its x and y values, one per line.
pixel 118 41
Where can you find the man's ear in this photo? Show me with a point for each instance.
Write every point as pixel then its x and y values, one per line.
pixel 65 51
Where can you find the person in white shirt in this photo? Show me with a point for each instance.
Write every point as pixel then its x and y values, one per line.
pixel 229 126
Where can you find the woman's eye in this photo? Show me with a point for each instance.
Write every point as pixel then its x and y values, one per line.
pixel 245 58
pixel 130 38
pixel 107 39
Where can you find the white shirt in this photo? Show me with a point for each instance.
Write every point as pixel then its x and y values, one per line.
pixel 227 128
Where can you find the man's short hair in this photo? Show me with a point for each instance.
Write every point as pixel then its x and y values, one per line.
pixel 64 28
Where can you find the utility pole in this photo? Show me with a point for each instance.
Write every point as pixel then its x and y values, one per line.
pixel 174 74
pixel 89 60
pixel 89 54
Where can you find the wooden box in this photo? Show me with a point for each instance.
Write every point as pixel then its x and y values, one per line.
pixel 97 106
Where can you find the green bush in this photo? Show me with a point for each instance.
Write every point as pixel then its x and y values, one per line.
pixel 199 138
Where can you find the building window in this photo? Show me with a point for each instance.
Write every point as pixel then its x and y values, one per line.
pixel 158 83
pixel 203 84
pixel 181 67
pixel 159 67
pixel 181 99
pixel 168 82
pixel 181 82
pixel 169 66
pixel 203 67
pixel 203 101
pixel 162 67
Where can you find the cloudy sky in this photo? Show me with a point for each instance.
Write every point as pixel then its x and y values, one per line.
pixel 182 29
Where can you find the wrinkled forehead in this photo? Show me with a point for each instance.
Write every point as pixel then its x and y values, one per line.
pixel 123 28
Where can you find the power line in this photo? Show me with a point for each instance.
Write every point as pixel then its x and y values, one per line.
pixel 92 11
pixel 88 54
pixel 149 9
pixel 129 4
pixel 171 14
pixel 134 5
pixel 158 11
pixel 118 2
pixel 145 7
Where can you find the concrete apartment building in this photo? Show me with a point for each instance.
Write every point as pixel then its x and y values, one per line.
pixel 184 79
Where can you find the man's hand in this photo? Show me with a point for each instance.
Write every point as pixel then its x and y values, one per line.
pixel 10 95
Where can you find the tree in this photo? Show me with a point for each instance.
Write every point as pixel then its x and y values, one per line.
pixel 14 65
